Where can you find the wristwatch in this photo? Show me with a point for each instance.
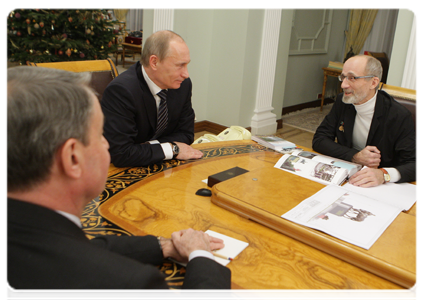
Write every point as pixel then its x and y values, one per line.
pixel 175 149
pixel 386 176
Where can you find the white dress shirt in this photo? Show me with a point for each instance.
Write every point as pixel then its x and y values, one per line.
pixel 154 89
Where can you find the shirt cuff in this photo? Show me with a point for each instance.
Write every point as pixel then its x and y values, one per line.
pixel 167 150
pixel 166 147
pixel 394 174
pixel 200 253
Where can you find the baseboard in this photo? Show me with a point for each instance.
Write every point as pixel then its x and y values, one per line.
pixel 211 127
pixel 311 104
pixel 215 128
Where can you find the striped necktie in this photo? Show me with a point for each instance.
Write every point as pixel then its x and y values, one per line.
pixel 162 114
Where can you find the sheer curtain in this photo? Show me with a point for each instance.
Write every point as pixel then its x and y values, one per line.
pixel 134 20
pixel 381 36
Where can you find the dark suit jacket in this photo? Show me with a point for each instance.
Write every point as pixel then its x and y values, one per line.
pixel 392 131
pixel 48 251
pixel 131 119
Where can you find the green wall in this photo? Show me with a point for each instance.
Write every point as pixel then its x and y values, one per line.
pixel 225 47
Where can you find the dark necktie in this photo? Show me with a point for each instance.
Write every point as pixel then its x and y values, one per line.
pixel 162 114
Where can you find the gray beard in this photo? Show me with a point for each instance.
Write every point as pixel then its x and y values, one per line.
pixel 353 99
pixel 350 99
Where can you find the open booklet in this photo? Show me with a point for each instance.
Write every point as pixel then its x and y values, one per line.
pixel 346 215
pixel 317 167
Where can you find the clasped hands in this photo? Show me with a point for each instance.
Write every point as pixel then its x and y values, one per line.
pixel 183 242
pixel 370 176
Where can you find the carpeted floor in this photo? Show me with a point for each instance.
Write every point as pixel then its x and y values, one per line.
pixel 307 119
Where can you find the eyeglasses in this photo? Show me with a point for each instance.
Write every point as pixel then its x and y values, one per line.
pixel 351 78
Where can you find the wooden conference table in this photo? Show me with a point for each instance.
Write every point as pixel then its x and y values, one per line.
pixel 160 199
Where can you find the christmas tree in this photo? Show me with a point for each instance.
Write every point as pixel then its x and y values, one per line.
pixel 39 35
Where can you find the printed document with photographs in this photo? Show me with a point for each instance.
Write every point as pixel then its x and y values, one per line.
pixel 317 167
pixel 346 215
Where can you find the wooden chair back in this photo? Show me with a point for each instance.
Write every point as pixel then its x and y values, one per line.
pixel 103 71
pixel 407 97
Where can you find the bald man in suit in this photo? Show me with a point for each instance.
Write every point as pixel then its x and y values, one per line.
pixel 131 105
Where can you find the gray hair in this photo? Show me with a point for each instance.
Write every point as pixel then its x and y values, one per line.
pixel 158 44
pixel 373 66
pixel 45 108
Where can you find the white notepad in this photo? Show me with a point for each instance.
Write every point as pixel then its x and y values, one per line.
pixel 232 248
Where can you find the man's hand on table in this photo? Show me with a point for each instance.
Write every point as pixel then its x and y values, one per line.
pixel 187 152
pixel 183 242
pixel 367 177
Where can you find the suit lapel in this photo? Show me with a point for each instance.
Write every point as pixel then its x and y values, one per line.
pixel 349 120
pixel 377 115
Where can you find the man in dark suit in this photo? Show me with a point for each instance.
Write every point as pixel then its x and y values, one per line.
pixel 58 161
pixel 370 127
pixel 136 131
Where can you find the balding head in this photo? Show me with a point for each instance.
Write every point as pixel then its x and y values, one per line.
pixel 158 44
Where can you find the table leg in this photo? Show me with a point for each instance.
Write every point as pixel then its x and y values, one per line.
pixel 325 78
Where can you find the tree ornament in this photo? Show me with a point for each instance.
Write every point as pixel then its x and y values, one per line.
pixel 75 51
pixel 68 52
pixel 81 55
pixel 28 21
pixel 17 15
pixel 18 33
pixel 41 24
pixel 36 26
pixel 88 31
pixel 60 52
pixel 70 19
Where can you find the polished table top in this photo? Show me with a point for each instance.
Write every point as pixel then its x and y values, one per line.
pixel 160 199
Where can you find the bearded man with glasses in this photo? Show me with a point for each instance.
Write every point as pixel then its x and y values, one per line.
pixel 367 126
